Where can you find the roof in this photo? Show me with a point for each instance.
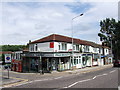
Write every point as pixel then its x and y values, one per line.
pixel 5 52
pixel 61 38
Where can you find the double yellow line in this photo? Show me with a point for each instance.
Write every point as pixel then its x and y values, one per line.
pixel 14 84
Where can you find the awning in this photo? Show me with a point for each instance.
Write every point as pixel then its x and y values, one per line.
pixel 103 56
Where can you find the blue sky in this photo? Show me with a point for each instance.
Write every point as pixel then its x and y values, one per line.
pixel 24 21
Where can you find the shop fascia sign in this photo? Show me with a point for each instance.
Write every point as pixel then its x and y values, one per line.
pixel 61 54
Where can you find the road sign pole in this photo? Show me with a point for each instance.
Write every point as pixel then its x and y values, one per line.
pixel 8 72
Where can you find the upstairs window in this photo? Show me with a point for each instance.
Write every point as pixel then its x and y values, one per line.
pixel 59 46
pixel 64 46
pixel 77 47
pixel 32 47
pixel 36 47
pixel 73 47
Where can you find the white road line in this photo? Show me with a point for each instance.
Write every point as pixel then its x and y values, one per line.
pixel 99 75
pixel 94 77
pixel 85 80
pixel 112 71
pixel 58 77
pixel 118 87
pixel 37 81
pixel 77 83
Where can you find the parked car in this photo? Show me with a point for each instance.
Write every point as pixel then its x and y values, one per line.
pixel 116 63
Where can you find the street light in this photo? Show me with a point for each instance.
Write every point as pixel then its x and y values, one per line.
pixel 72 37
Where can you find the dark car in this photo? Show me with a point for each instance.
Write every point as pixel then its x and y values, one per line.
pixel 116 63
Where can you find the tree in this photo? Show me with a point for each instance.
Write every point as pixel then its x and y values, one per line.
pixel 117 40
pixel 107 31
pixel 110 34
pixel 13 47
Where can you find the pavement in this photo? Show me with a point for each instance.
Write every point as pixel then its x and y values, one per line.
pixel 19 78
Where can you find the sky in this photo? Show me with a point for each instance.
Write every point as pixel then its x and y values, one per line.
pixel 26 20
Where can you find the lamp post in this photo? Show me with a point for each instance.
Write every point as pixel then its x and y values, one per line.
pixel 72 37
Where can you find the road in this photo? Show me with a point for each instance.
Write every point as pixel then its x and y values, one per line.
pixel 105 78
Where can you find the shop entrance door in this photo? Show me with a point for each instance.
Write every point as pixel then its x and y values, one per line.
pixel 54 63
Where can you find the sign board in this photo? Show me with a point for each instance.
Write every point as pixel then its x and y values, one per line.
pixel 7 58
pixel 61 54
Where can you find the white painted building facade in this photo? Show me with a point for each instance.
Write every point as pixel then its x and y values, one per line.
pixel 57 51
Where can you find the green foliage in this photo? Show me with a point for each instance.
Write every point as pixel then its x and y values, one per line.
pixel 107 31
pixel 12 47
pixel 110 33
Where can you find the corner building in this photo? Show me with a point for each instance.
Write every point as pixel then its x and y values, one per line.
pixel 54 53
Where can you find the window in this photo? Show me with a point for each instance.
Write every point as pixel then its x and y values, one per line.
pixel 106 50
pixel 59 46
pixel 64 46
pixel 88 48
pixel 32 47
pixel 99 50
pixel 74 61
pixel 36 47
pixel 77 61
pixel 73 47
pixel 77 47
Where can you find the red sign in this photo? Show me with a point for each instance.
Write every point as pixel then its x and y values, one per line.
pixel 51 44
pixel 70 50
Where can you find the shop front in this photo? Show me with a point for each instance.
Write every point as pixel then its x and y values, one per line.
pixel 49 62
pixel 86 60
pixel 16 65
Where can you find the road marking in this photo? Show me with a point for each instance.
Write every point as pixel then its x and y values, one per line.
pixel 85 80
pixel 59 77
pixel 14 83
pixel 112 71
pixel 118 87
pixel 78 82
pixel 99 75
pixel 37 81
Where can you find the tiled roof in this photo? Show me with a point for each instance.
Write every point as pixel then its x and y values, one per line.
pixel 5 52
pixel 61 38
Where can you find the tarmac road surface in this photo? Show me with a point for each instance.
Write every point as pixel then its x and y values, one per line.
pixel 105 78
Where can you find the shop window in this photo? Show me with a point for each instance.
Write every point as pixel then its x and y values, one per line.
pixel 79 60
pixel 71 61
pixel 75 61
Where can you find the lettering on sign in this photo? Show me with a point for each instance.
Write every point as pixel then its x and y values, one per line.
pixel 61 54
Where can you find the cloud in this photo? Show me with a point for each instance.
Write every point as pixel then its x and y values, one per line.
pixel 24 21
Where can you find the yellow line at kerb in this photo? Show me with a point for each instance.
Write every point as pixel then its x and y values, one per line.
pixel 16 83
